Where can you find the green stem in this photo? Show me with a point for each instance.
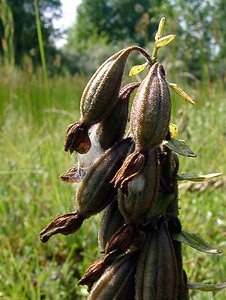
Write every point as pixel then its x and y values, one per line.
pixel 40 41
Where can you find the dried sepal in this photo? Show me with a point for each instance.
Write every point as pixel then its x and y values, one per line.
pixel 132 166
pixel 77 138
pixel 121 239
pixel 74 174
pixel 64 224
pixel 93 273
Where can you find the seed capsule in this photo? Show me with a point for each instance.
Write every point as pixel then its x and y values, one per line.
pixel 157 273
pixel 112 128
pixel 117 282
pixel 95 191
pixel 151 110
pixel 142 191
pixel 111 221
pixel 150 119
pixel 98 99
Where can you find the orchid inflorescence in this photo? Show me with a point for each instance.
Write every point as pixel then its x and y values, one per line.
pixel 132 175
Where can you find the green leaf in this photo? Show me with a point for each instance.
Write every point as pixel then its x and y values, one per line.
pixel 198 178
pixel 196 242
pixel 160 29
pixel 206 287
pixel 137 69
pixel 180 147
pixel 181 92
pixel 164 41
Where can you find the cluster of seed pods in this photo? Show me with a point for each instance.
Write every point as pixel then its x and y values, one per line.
pixel 132 177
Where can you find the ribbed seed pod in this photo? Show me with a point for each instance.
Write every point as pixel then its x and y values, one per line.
pixel 151 110
pixel 157 273
pixel 111 221
pixel 95 192
pixel 117 282
pixel 98 99
pixel 142 191
pixel 150 119
pixel 112 128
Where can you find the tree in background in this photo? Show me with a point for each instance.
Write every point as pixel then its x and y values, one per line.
pixel 200 25
pixel 115 20
pixel 25 31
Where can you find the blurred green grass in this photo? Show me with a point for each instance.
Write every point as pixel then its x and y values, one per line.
pixel 33 119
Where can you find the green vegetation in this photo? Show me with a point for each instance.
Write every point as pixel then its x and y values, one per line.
pixel 33 123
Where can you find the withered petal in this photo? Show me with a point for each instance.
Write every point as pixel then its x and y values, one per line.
pixel 74 174
pixel 93 273
pixel 65 224
pixel 132 166
pixel 77 138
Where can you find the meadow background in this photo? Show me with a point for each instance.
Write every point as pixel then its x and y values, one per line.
pixel 40 90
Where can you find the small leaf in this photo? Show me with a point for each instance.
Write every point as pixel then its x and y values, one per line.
pixel 160 29
pixel 173 128
pixel 137 69
pixel 181 92
pixel 180 147
pixel 164 41
pixel 196 242
pixel 198 178
pixel 206 287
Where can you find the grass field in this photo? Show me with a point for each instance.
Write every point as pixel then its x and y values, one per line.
pixel 33 119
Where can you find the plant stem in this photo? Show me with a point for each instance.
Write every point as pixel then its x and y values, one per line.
pixel 40 41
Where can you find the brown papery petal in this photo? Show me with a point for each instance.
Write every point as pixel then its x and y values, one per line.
pixel 74 174
pixel 93 273
pixel 77 138
pixel 132 166
pixel 65 224
pixel 121 239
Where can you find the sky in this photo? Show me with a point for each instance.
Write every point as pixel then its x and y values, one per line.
pixel 68 17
